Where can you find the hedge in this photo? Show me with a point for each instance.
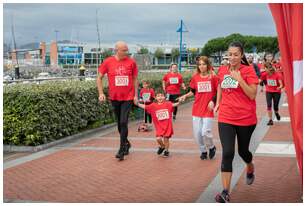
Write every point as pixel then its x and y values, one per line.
pixel 35 114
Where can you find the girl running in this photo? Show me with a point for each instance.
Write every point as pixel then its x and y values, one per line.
pixel 203 86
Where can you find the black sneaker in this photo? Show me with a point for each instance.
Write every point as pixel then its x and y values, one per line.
pixel 250 177
pixel 270 122
pixel 160 150
pixel 224 197
pixel 120 154
pixel 166 153
pixel 212 152
pixel 203 156
pixel 127 148
pixel 278 117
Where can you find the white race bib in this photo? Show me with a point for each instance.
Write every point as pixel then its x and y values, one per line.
pixel 271 82
pixel 204 86
pixel 173 80
pixel 229 82
pixel 162 114
pixel 121 80
pixel 146 97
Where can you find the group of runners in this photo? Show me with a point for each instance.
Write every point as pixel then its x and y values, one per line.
pixel 230 94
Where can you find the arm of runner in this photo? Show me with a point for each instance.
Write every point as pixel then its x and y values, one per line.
pixel 164 86
pixel 102 97
pixel 139 105
pixel 219 96
pixel 280 84
pixel 183 97
pixel 135 82
pixel 183 86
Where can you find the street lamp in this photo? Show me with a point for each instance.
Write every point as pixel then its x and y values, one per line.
pixel 56 31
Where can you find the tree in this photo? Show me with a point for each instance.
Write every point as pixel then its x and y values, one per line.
pixel 107 53
pixel 159 53
pixel 175 53
pixel 262 44
pixel 143 50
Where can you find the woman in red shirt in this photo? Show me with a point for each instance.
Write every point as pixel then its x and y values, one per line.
pixel 273 90
pixel 237 114
pixel 203 86
pixel 172 81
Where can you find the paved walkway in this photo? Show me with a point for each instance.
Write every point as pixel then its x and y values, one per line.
pixel 87 171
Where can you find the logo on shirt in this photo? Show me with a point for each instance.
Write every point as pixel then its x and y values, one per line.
pixel 204 86
pixel 271 82
pixel 229 82
pixel 173 80
pixel 146 97
pixel 121 81
pixel 162 114
pixel 120 70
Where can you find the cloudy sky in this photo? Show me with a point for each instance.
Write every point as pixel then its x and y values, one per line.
pixel 134 23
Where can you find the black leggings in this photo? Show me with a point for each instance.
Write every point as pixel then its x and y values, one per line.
pixel 172 98
pixel 227 133
pixel 122 110
pixel 276 97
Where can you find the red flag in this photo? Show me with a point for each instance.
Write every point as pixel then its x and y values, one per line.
pixel 288 19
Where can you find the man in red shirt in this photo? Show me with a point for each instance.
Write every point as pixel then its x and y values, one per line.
pixel 172 82
pixel 122 74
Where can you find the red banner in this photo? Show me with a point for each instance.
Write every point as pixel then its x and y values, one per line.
pixel 288 19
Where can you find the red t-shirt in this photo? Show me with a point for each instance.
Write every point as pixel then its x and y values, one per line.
pixel 173 82
pixel 236 107
pixel 120 75
pixel 206 89
pixel 162 118
pixel 272 81
pixel 147 95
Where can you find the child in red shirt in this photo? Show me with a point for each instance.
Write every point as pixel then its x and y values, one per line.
pixel 161 112
pixel 147 96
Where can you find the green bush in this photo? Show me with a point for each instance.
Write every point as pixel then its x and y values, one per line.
pixel 35 114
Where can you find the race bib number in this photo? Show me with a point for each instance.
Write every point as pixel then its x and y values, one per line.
pixel 174 80
pixel 121 80
pixel 146 97
pixel 162 114
pixel 271 82
pixel 204 86
pixel 229 82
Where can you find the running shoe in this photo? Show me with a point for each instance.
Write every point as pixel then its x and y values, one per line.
pixel 127 148
pixel 270 122
pixel 160 150
pixel 250 177
pixel 212 152
pixel 223 197
pixel 203 156
pixel 166 153
pixel 120 154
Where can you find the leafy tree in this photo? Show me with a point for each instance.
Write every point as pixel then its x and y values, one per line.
pixel 143 50
pixel 159 53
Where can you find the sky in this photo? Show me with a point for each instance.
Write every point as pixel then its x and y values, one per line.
pixel 134 23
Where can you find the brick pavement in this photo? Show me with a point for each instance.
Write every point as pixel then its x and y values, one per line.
pixel 87 171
